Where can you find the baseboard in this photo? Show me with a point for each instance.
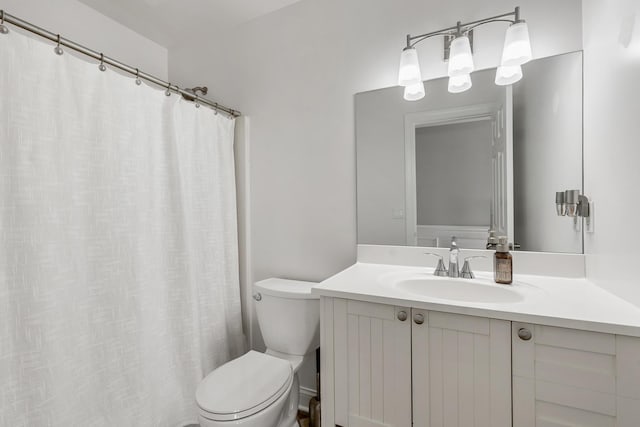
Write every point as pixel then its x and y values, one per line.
pixel 305 395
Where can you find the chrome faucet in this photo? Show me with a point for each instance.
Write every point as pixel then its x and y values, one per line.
pixel 466 272
pixel 440 269
pixel 454 251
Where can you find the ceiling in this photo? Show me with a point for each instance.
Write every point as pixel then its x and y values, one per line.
pixel 171 22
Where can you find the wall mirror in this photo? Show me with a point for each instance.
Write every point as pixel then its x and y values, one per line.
pixel 490 158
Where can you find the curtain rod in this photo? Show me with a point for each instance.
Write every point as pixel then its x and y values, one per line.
pixel 110 61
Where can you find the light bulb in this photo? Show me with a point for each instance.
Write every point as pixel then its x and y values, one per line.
pixel 459 84
pixel 517 47
pixel 460 57
pixel 414 92
pixel 508 75
pixel 409 72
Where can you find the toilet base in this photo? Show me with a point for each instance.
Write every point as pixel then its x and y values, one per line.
pixel 290 415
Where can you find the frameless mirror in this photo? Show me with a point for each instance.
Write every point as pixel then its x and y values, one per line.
pixel 489 159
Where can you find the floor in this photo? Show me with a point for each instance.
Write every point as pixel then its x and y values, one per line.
pixel 303 419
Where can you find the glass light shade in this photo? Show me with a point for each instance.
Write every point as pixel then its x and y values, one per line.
pixel 460 57
pixel 459 84
pixel 508 75
pixel 517 47
pixel 409 72
pixel 414 92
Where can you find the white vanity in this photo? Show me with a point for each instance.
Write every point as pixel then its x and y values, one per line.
pixel 551 350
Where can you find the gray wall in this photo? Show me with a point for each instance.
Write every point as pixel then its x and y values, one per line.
pixel 547 151
pixel 446 156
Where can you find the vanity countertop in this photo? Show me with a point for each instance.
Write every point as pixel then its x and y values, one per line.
pixel 555 301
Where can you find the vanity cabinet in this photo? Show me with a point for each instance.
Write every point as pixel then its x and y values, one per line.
pixel 461 370
pixel 394 366
pixel 565 377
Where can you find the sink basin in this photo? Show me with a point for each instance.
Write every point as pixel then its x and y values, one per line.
pixel 467 290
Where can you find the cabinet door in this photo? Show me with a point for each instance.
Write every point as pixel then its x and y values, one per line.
pixel 461 370
pixel 373 375
pixel 565 377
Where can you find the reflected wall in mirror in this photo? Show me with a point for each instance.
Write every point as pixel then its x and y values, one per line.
pixel 461 165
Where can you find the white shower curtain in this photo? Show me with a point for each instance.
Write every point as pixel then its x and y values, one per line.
pixel 118 249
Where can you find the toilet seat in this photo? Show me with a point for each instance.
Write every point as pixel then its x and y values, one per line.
pixel 243 387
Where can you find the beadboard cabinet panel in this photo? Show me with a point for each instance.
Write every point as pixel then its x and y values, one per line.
pixel 461 371
pixel 564 377
pixel 375 370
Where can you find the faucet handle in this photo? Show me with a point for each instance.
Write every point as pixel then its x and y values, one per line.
pixel 466 272
pixel 440 270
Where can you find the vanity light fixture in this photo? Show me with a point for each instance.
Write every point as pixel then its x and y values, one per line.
pixel 414 92
pixel 517 47
pixel 458 50
pixel 506 75
pixel 458 84
pixel 409 74
pixel 460 57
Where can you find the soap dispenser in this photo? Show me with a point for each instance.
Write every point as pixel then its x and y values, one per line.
pixel 503 263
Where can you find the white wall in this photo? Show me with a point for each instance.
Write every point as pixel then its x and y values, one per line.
pixel 547 151
pixel 295 71
pixel 612 147
pixel 80 23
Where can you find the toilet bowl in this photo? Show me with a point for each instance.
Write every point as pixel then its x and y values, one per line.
pixel 262 389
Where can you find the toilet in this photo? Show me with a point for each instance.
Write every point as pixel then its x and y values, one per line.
pixel 262 389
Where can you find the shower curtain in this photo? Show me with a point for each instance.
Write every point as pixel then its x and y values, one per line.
pixel 118 250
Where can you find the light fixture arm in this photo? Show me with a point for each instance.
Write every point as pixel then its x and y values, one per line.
pixel 460 28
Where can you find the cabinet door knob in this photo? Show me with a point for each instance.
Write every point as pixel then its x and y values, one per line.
pixel 524 334
pixel 418 319
pixel 402 316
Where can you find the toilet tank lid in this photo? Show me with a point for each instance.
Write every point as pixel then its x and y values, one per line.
pixel 285 288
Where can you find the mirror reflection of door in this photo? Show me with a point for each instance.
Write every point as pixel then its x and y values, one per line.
pixel 459 174
pixel 455 205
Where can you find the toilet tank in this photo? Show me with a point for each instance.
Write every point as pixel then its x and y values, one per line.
pixel 288 315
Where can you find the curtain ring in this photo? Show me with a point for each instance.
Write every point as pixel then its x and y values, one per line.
pixel 3 28
pixel 102 67
pixel 168 91
pixel 197 102
pixel 58 49
pixel 138 81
